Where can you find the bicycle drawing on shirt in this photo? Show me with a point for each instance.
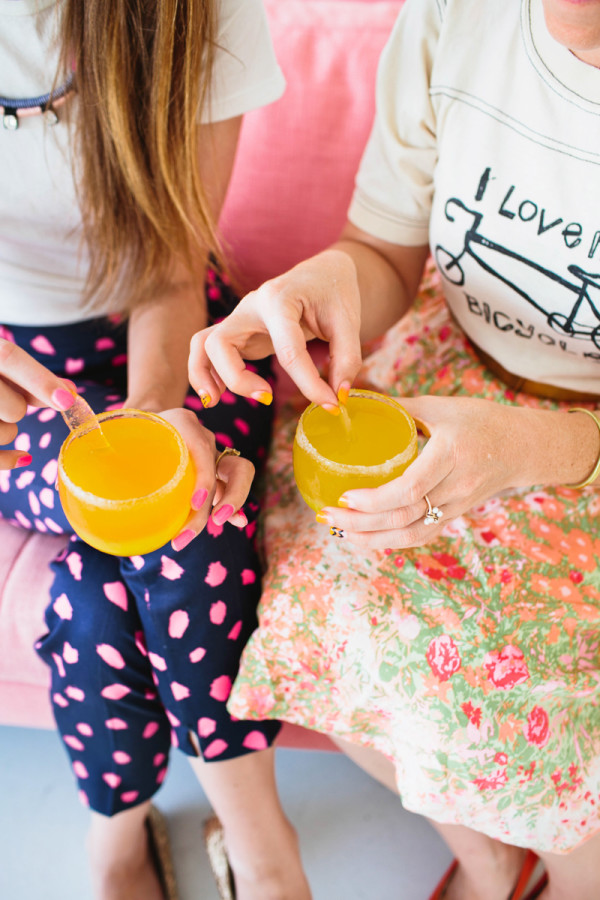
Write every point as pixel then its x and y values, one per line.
pixel 583 320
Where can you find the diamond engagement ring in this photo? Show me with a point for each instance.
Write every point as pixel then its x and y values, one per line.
pixel 433 514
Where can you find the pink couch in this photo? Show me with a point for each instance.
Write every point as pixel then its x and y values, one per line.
pixel 288 199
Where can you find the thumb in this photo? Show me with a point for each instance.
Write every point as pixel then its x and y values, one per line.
pixel 419 410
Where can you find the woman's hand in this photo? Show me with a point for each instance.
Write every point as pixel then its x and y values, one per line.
pixel 218 493
pixel 25 382
pixel 476 449
pixel 318 298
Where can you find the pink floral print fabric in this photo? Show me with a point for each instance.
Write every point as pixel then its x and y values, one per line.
pixel 472 663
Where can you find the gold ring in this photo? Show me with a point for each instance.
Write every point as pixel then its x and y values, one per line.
pixel 228 451
pixel 433 514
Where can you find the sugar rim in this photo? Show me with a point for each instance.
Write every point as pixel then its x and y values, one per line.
pixel 110 503
pixel 346 468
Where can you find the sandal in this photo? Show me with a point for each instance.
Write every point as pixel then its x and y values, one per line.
pixel 160 852
pixel 446 879
pixel 532 878
pixel 217 854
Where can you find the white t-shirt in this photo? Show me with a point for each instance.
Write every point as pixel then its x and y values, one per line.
pixel 486 144
pixel 42 265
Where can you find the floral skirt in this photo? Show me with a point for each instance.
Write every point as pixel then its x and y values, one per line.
pixel 472 663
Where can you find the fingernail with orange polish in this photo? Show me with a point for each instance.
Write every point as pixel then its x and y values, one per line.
pixel 205 400
pixel 331 409
pixel 343 392
pixel 343 502
pixel 263 397
pixel 322 518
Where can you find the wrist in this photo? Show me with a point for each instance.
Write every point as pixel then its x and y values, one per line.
pixel 562 448
pixel 155 401
pixel 593 474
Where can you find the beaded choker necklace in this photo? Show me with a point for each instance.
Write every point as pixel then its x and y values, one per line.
pixel 46 105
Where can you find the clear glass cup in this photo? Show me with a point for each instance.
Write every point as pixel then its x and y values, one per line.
pixel 126 489
pixel 373 441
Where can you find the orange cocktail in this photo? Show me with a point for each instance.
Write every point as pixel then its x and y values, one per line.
pixel 128 493
pixel 372 442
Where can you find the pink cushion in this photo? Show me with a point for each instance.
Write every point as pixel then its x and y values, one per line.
pixel 297 158
pixel 24 583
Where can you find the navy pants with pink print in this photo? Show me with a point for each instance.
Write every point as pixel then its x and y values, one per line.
pixel 142 650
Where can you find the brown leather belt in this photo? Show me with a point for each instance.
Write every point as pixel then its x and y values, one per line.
pixel 536 388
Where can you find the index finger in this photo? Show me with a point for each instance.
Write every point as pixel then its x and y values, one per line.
pixel 216 355
pixel 291 349
pixel 37 384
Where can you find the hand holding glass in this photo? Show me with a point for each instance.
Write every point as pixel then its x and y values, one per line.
pixel 126 488
pixel 373 441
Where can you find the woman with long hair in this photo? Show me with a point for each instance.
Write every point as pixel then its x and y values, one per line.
pixel 120 128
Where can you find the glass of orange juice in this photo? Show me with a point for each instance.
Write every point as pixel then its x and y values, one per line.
pixel 373 441
pixel 126 487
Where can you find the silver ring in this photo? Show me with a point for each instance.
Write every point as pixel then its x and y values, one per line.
pixel 433 514
pixel 228 451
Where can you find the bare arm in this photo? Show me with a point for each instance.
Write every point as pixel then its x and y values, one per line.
pixel 349 293
pixel 388 278
pixel 160 329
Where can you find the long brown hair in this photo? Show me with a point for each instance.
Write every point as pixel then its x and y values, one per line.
pixel 142 73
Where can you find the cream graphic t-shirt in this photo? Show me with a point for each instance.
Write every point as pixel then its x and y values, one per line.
pixel 486 144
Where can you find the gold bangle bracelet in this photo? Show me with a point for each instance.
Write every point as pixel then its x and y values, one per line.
pixel 596 470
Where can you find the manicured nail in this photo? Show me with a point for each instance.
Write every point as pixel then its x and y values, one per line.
pixel 263 397
pixel 63 399
pixel 23 460
pixel 344 392
pixel 183 539
pixel 322 518
pixel 205 400
pixel 334 531
pixel 331 409
pixel 343 502
pixel 198 498
pixel 221 515
pixel 241 519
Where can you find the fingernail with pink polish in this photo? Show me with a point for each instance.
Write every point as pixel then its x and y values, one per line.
pixel 23 460
pixel 221 515
pixel 183 539
pixel 63 399
pixel 198 498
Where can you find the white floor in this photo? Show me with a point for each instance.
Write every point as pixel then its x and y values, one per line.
pixel 357 841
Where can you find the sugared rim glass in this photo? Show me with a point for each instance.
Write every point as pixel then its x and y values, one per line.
pixel 346 468
pixel 90 498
